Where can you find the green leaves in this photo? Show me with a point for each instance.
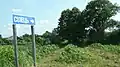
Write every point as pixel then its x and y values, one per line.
pixel 69 26
pixel 7 57
pixel 96 17
pixel 24 54
pixel 72 54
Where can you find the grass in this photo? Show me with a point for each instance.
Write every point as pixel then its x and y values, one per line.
pixel 24 54
pixel 95 55
pixel 7 57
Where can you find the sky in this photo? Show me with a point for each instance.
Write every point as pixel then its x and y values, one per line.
pixel 46 13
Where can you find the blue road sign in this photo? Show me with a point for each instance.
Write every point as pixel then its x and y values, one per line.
pixel 17 19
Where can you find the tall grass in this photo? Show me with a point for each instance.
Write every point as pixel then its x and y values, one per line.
pixel 95 55
pixel 24 54
pixel 7 57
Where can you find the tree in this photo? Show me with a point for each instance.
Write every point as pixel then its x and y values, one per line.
pixel 5 41
pixel 113 38
pixel 47 37
pixel 68 25
pixel 47 34
pixel 97 17
pixel 55 39
pixel 0 36
pixel 63 24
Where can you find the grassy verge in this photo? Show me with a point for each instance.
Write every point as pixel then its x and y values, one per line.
pixel 95 55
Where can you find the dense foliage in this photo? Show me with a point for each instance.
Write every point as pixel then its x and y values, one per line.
pixel 91 23
pixel 24 56
pixel 7 57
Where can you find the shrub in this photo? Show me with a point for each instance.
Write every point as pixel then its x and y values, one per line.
pixel 7 57
pixel 41 51
pixel 109 48
pixel 72 54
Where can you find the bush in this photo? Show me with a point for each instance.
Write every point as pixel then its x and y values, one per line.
pixel 4 41
pixel 45 50
pixel 109 48
pixel 7 57
pixel 72 54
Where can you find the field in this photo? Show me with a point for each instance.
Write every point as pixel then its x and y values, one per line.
pixel 94 55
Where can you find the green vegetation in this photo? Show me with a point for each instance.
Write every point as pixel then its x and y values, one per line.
pixel 25 56
pixel 75 25
pixel 7 57
pixel 79 40
pixel 94 55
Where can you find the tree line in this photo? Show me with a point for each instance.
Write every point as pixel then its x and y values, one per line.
pixel 90 24
pixel 82 27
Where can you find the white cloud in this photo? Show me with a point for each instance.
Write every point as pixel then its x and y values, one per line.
pixel 44 25
pixel 116 17
pixel 9 27
pixel 7 30
pixel 23 29
pixel 115 1
pixel 43 21
pixel 4 26
pixel 16 10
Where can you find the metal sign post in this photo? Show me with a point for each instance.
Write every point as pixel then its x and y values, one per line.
pixel 17 19
pixel 15 45
pixel 33 45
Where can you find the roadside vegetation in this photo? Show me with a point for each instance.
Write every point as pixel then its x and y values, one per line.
pixel 80 39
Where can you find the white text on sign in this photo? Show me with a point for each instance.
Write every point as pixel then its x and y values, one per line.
pixel 21 19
